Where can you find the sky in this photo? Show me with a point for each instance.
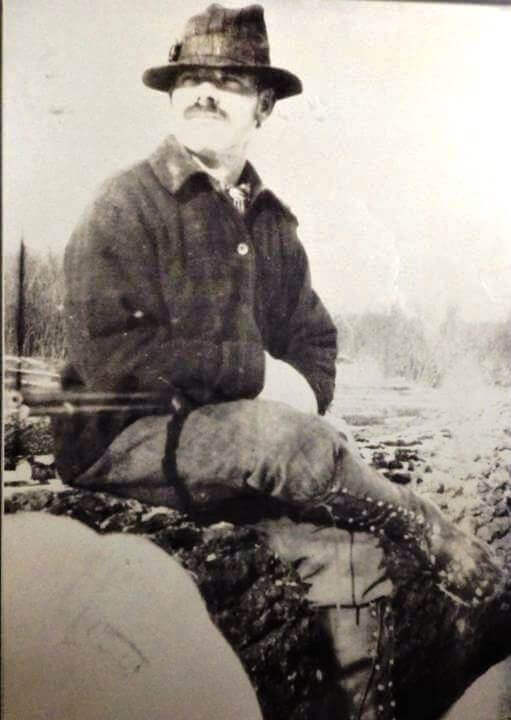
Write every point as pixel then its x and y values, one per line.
pixel 396 159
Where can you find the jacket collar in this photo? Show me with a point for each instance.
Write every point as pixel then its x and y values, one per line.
pixel 174 166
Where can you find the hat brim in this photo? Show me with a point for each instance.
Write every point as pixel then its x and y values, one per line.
pixel 283 82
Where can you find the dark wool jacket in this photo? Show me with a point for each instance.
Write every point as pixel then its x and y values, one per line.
pixel 163 294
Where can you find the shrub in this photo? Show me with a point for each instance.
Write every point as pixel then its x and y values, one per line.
pixel 401 347
pixel 34 327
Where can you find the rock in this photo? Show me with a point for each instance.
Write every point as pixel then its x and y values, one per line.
pixel 485 515
pixel 499 528
pixel 31 437
pixel 484 533
pixel 9 463
pixel 42 472
pixel 502 509
pixel 380 460
pixel 405 454
pixel 399 477
pixel 359 420
pixel 495 498
pixel 401 443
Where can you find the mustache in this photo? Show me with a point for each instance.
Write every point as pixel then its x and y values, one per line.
pixel 208 110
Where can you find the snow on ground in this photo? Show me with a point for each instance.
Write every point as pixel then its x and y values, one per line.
pixel 460 432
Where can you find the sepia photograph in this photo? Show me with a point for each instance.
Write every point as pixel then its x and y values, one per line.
pixel 256 360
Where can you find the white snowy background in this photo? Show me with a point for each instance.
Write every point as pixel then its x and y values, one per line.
pixel 396 158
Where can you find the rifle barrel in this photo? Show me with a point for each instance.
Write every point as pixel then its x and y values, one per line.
pixel 62 402
pixel 26 371
pixel 70 409
pixel 57 397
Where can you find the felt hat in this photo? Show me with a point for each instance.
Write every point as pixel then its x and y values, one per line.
pixel 227 38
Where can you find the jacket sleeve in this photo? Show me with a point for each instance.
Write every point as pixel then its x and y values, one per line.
pixel 119 327
pixel 307 336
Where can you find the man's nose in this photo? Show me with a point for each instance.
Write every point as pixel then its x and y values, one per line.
pixel 207 101
pixel 207 92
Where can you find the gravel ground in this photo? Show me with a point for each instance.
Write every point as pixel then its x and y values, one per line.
pixel 452 445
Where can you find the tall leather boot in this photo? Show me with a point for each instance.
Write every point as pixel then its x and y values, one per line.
pixel 363 641
pixel 361 500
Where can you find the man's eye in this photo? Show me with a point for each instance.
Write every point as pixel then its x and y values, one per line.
pixel 231 83
pixel 186 81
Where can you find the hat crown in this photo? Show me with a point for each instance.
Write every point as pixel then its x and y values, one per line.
pixel 226 36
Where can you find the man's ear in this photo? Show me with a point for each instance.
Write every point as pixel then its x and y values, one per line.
pixel 265 104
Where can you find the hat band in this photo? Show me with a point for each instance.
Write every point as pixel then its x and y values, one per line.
pixel 216 61
pixel 216 48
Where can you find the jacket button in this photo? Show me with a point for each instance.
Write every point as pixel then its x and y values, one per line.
pixel 242 248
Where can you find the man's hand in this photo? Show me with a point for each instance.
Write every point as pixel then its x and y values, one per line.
pixel 285 384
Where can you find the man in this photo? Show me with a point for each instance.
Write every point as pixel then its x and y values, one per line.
pixel 186 268
pixel 181 275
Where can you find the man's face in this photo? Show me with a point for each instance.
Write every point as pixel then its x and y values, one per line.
pixel 214 110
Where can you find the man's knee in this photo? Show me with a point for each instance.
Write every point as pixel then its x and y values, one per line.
pixel 261 446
